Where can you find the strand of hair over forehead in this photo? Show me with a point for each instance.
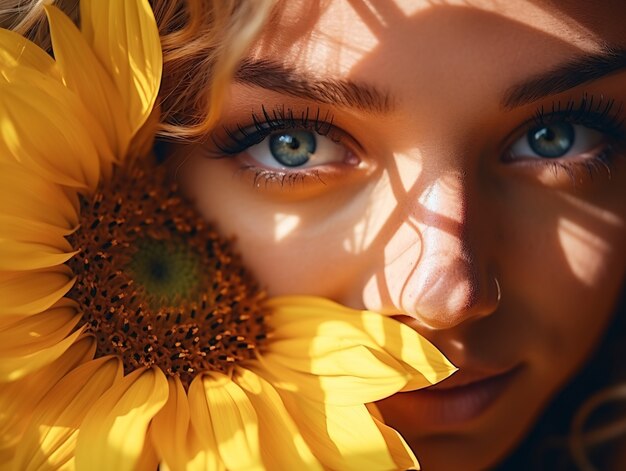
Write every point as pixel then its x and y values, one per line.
pixel 203 42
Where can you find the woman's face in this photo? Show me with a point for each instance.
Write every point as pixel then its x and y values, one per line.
pixel 458 165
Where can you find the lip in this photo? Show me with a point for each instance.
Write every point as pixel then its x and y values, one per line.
pixel 458 400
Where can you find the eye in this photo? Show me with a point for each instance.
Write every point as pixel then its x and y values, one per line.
pixel 294 148
pixel 556 140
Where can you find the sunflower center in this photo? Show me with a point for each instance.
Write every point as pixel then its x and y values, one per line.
pixel 168 271
pixel 157 285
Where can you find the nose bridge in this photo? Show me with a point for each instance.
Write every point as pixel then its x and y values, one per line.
pixel 442 208
pixel 450 281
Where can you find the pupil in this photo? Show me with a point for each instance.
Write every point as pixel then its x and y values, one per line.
pixel 551 141
pixel 294 144
pixel 292 148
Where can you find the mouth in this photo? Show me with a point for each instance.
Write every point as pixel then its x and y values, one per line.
pixel 458 400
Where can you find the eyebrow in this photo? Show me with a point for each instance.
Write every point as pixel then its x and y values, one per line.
pixel 274 76
pixel 565 76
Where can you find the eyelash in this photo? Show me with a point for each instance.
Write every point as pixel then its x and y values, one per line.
pixel 599 114
pixel 238 139
pixel 594 113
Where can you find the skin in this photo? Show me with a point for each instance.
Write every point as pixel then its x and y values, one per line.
pixel 419 212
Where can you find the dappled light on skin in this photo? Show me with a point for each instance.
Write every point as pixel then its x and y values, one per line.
pixel 429 270
pixel 284 225
pixel 444 199
pixel 332 46
pixel 407 169
pixel 610 219
pixel 401 256
pixel 584 251
pixel 389 195
pixel 536 16
pixel 375 217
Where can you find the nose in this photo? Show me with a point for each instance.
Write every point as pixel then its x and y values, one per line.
pixel 436 268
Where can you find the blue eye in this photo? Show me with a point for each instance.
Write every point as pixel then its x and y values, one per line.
pixel 553 140
pixel 556 140
pixel 296 148
pixel 292 148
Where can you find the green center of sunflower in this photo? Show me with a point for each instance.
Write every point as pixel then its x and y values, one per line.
pixel 157 285
pixel 168 271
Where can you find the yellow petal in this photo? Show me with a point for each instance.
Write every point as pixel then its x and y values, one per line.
pixel 18 399
pixel 39 331
pixel 25 230
pixel 50 437
pixel 234 422
pixel 45 128
pixel 20 256
pixel 148 459
pixel 399 450
pixel 113 433
pixel 29 197
pixel 170 427
pixel 125 37
pixel 342 437
pixel 340 354
pixel 202 429
pixel 174 438
pixel 18 52
pixel 338 385
pixel 294 316
pixel 29 293
pixel 16 367
pixel 83 73
pixel 282 445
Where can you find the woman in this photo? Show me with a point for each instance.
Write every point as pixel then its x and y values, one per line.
pixel 458 166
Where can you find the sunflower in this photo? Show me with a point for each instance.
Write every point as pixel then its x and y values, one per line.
pixel 131 335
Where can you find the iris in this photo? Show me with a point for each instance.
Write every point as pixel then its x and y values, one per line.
pixel 551 141
pixel 293 148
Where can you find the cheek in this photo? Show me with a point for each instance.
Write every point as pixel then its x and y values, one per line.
pixel 565 266
pixel 594 262
pixel 296 247
pixel 589 257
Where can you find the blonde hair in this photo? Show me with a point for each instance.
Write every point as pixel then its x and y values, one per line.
pixel 203 42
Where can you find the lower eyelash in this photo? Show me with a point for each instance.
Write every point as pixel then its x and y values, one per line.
pixel 599 113
pixel 601 162
pixel 291 178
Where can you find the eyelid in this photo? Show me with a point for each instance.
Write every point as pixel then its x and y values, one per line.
pixel 232 141
pixel 598 113
pixel 238 137
pixel 582 167
pixel 593 112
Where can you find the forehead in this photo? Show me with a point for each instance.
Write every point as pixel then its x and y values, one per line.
pixel 343 37
pixel 465 53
